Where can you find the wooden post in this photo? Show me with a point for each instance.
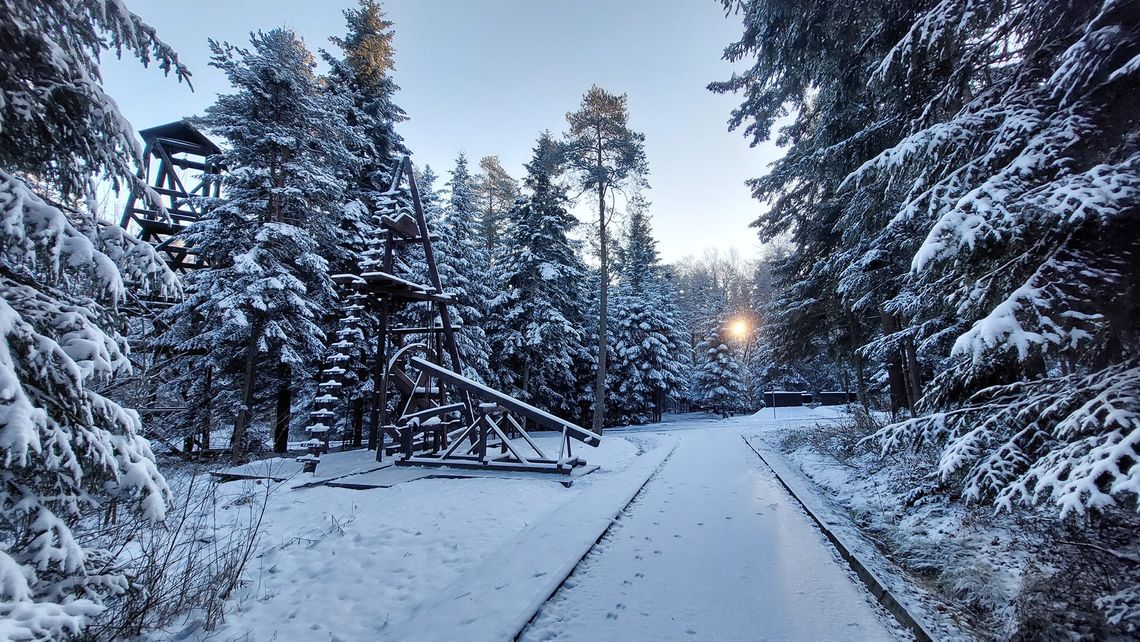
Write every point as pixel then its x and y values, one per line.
pixel 378 416
pixel 481 446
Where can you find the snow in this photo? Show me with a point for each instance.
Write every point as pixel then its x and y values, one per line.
pixel 967 560
pixel 355 564
pixel 713 549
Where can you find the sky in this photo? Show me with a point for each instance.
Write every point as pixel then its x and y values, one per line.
pixel 487 77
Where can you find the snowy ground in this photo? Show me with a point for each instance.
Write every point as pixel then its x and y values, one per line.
pixel 712 548
pixel 957 568
pixel 349 564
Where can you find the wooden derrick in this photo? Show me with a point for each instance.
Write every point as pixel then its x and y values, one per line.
pixel 424 411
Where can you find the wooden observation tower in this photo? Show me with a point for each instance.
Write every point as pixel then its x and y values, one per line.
pixel 424 410
pixel 179 169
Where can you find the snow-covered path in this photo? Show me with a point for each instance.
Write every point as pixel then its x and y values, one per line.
pixel 713 548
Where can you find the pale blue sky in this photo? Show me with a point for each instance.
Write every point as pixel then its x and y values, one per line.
pixel 487 76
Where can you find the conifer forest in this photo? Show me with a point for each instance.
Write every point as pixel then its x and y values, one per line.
pixel 497 320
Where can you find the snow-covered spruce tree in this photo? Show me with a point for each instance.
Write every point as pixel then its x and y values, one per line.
pixel 1026 178
pixel 536 321
pixel 68 451
pixel 464 271
pixel 359 85
pixel 718 378
pixel 252 317
pixel 650 355
pixel 814 59
pixel 994 187
pixel 364 78
pixel 56 123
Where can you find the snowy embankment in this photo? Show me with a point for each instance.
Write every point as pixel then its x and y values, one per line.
pixel 432 558
pixel 862 504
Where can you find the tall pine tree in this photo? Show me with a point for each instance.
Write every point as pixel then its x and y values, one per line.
pixel 495 192
pixel 604 154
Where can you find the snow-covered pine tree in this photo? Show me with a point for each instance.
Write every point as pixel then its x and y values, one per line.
pixel 68 451
pixel 253 316
pixel 990 215
pixel 650 355
pixel 718 378
pixel 464 269
pixel 536 321
pixel 364 77
pixel 495 192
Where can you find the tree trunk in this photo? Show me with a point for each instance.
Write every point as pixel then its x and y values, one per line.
pixel 896 372
pixel 914 376
pixel 207 409
pixel 282 412
pixel 603 294
pixel 357 422
pixel 237 439
pixel 857 360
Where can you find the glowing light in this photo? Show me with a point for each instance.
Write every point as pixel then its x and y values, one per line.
pixel 738 328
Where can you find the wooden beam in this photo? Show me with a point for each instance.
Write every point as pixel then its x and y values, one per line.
pixel 540 417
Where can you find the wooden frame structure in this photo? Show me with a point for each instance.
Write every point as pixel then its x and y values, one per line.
pixel 181 172
pixel 175 155
pixel 424 410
